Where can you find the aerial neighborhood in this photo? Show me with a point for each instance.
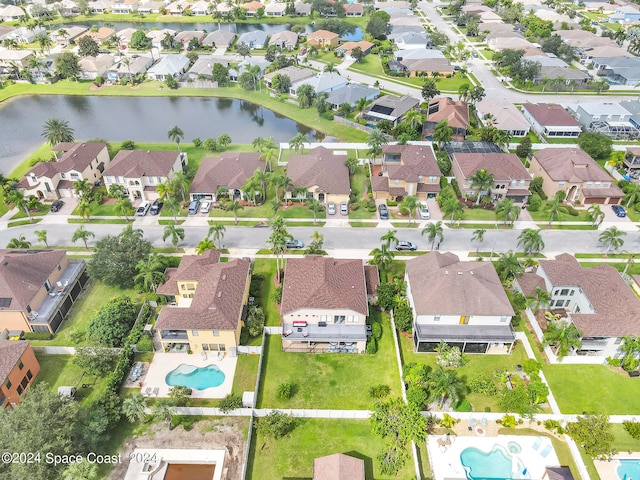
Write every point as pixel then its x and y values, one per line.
pixel 327 239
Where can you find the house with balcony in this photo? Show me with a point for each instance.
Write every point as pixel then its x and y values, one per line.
pixel 140 172
pixel 38 288
pixel 573 171
pixel 608 118
pixel 458 302
pixel 76 161
pixel 406 170
pixel 455 112
pixel 511 179
pixel 225 175
pixel 596 300
pixel 18 369
pixel 632 158
pixel 323 173
pixel 207 304
pixel 324 305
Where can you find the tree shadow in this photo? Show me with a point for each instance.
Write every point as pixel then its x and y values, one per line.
pixel 368 462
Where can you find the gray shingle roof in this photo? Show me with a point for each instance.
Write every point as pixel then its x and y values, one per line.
pixel 322 168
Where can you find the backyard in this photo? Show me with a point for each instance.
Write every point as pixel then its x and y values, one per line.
pixel 266 268
pixel 244 379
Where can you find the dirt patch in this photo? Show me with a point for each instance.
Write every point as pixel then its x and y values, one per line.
pixel 227 433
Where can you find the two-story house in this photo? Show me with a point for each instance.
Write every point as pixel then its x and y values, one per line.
pixel 323 39
pixel 461 303
pixel 455 112
pixel 632 158
pixel 406 170
pixel 325 305
pixel 141 171
pixel 18 368
pixel 573 171
pixel 207 304
pixel 323 173
pixel 511 179
pixel 38 288
pixel 596 300
pixel 76 161
pixel 225 175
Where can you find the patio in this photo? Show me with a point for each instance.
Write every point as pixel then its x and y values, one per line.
pixel 609 468
pixel 163 363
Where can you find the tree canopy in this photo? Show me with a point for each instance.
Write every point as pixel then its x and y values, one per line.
pixel 113 322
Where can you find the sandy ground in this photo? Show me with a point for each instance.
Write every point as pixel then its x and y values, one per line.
pixel 220 433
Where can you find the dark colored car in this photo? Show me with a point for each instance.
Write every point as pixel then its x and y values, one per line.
pixel 402 245
pixel 57 205
pixel 294 244
pixel 156 206
pixel 384 212
pixel 619 211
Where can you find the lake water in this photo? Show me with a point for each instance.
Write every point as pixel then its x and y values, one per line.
pixel 141 119
pixel 205 26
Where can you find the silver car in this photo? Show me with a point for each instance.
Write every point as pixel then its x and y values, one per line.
pixel 423 211
pixel 331 208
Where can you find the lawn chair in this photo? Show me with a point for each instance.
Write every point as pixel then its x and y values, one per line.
pixel 537 443
pixel 546 451
pixel 203 355
pixel 483 421
pixel 220 356
pixel 473 421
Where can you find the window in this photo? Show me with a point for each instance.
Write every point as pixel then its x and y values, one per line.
pixel 433 179
pixel 338 319
pixel 618 341
pixel 75 176
pixel 571 292
pixel 597 185
pixel 47 186
pixel 503 319
pixel 28 308
pixel 436 318
pixel 589 184
pixel 324 318
pixel 513 183
pixel 565 291
pixel 222 347
pixel 63 175
pixel 522 182
pixel 352 319
pixel 8 383
pixel 396 182
pixel 47 285
pixel 194 333
pixel 216 333
pixel 19 390
pixel 566 303
pixel 606 185
pixel 205 347
pixel 29 374
pixel 58 267
pixel 24 382
pixel 20 364
pixel 560 184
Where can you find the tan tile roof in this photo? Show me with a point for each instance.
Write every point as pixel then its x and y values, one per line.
pixel 571 164
pixel 10 353
pixel 323 34
pixel 77 157
pixel 550 115
pixel 338 467
pixel 443 285
pixel 324 283
pixel 416 160
pixel 503 166
pixel 22 274
pixel 617 307
pixel 354 8
pixel 141 163
pixel 218 300
pixel 634 151
pixel 455 112
pixel 320 168
pixel 229 169
pixel 252 6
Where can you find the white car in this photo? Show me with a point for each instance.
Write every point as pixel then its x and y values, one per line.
pixel 143 209
pixel 423 211
pixel 205 206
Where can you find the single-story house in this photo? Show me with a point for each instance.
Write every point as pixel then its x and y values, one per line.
pixel 323 173
pixel 503 115
pixel 226 175
pixel 350 94
pixel 295 74
pixel 338 466
pixel 135 67
pixel 254 39
pixel 172 65
pixel 92 67
pixel 219 39
pixel 389 107
pixel 353 10
pixel 551 120
pixel 285 39
pixel 274 9
pixel 322 82
pixel 302 9
pixel 347 47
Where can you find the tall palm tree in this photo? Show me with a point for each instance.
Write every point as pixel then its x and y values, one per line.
pixel 632 194
pixel 554 207
pixel 351 163
pixel 19 242
pixel 541 300
pixel 278 241
pixel 269 154
pixel 175 233
pixel 452 208
pixel 82 188
pixel 442 133
pixel 175 134
pixel 507 210
pixel 150 272
pixel 180 183
pixel 57 131
pixel 508 266
pixel 410 203
pixel 315 206
pixel 173 204
pixel 596 214
pixel 482 181
pixel 445 384
pixel 433 231
pixel 531 240
pixel 41 235
pixel 281 181
pixel 234 207
pixel 478 236
pixel 85 208
pixel 297 142
pixel 564 336
pixel 134 406
pixel 381 257
pixel 17 198
pixel 329 67
pixel 414 118
pixel 250 189
pixel 612 238
pixel 389 237
pixel 376 140
pixel 82 234
pixel 163 409
pixel 216 230
pixel 124 208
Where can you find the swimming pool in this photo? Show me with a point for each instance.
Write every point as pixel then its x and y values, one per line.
pixel 199 378
pixel 629 469
pixel 497 464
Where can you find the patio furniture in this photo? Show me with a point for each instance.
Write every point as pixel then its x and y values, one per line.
pixel 203 355
pixel 305 334
pixel 537 443
pixel 546 451
pixel 287 333
pixel 220 356
pixel 473 422
pixel 483 421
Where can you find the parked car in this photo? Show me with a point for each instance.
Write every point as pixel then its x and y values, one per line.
pixel 194 207
pixel 619 211
pixel 344 208
pixel 331 208
pixel 205 206
pixel 57 205
pixel 294 244
pixel 403 245
pixel 384 211
pixel 156 206
pixel 143 209
pixel 423 211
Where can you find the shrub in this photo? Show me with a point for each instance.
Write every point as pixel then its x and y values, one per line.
pixel 614 362
pixel 372 346
pixel 376 330
pixel 244 336
pixel 531 366
pixel 128 145
pixel 449 356
pixel 230 402
pixel 448 421
pixel 444 183
pixel 483 385
pixel 456 188
pixel 403 316
pixel 392 203
pixel 572 211
pixel 145 344
pixel 464 406
pixel 379 391
pixel 285 391
pixel 508 421
pixel 629 364
pixel 197 142
pixel 276 424
pixel 37 336
pixel 187 421
pixel 535 202
pixel 554 425
pixel 417 396
pixel 632 428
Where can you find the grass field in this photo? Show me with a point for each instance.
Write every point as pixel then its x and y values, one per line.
pixel 246 374
pixel 267 268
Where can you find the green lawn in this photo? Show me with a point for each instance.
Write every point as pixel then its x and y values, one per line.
pixel 624 442
pixel 330 380
pixel 481 214
pixel 267 268
pixel 543 215
pixel 92 299
pixel 593 388
pixel 291 457
pixel 246 374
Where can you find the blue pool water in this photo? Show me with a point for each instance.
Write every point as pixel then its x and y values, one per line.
pixel 629 469
pixel 194 377
pixel 495 465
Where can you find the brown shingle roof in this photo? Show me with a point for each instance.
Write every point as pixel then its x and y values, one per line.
pixel 503 166
pixel 191 268
pixel 77 157
pixel 338 467
pixel 617 308
pixel 321 168
pixel 550 115
pixel 443 285
pixel 10 353
pixel 372 279
pixel 416 161
pixel 23 274
pixel 219 298
pixel 140 163
pixel 229 170
pixel 324 283
pixel 455 112
pixel 571 164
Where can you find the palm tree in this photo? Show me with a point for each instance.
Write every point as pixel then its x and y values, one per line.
pixel 540 301
pixel 429 89
pixel 410 203
pixel 442 133
pixel 20 242
pixel 216 230
pixel 82 234
pixel 596 214
pixel 531 241
pixel 329 68
pixel 297 142
pixel 564 336
pixel 445 384
pixel 631 259
pixel 150 272
pixel 179 183
pixel 82 188
pixel 123 208
pixel 17 198
pixel 57 131
pixel 464 91
pixel 315 206
pixel 175 134
pixel 85 208
pixel 482 181
pixel 508 266
pixel 433 231
pixel 389 237
pixel 176 234
pixel 612 238
pixel 134 406
pixel 278 241
pixel 381 257
pixel 630 348
pixel 351 163
pixel 376 140
pixel 554 207
pixel 632 194
pixel 281 181
pixel 234 207
pixel 414 118
pixel 172 204
pixel 507 210
pixel 268 153
pixel 41 235
pixel 204 245
pixel 478 236
pixel 163 409
pixel 452 208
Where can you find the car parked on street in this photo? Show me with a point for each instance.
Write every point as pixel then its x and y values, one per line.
pixel 383 211
pixel 404 245
pixel 619 211
pixel 293 243
pixel 57 205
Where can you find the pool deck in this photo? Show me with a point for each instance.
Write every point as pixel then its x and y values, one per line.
pixel 446 464
pixel 608 468
pixel 163 363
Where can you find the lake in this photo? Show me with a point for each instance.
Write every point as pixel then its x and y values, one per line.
pixel 141 119
pixel 211 26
